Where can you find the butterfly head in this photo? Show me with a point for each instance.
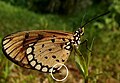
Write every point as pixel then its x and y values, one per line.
pixel 81 30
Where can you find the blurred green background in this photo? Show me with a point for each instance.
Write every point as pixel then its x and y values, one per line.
pixel 65 15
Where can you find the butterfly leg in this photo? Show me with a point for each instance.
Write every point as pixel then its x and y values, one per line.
pixel 76 51
pixel 85 41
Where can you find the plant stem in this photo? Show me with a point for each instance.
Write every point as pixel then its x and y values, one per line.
pixel 86 80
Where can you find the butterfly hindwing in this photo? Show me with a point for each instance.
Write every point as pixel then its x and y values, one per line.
pixel 49 54
pixel 39 49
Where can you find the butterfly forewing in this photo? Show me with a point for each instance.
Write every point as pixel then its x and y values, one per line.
pixel 39 49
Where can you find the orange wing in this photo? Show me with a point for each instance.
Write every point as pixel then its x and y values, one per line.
pixel 38 49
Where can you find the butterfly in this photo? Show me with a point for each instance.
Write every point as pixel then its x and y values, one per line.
pixel 41 49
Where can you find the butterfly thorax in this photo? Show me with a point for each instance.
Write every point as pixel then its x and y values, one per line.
pixel 75 40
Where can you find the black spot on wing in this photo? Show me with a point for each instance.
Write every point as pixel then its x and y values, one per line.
pixel 54 36
pixel 50 49
pixel 57 60
pixel 63 39
pixel 53 56
pixel 63 60
pixel 46 57
pixel 53 40
pixel 43 45
pixel 40 36
pixel 26 35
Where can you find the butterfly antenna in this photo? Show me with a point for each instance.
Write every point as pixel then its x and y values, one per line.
pixel 95 18
pixel 83 19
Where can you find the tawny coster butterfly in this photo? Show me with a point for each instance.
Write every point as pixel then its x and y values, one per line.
pixel 41 49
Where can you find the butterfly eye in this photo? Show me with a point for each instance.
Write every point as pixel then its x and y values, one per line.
pixel 81 31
